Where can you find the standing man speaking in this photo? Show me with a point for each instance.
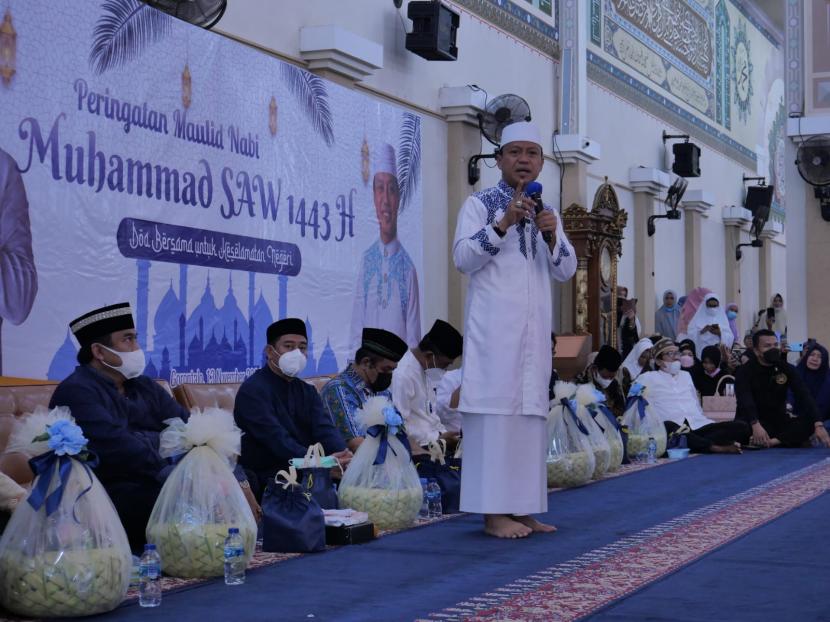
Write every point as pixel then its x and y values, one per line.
pixel 510 252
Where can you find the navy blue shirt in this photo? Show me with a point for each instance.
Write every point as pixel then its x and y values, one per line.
pixel 123 430
pixel 279 419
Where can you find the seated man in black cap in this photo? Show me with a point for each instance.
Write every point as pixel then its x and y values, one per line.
pixel 280 414
pixel 415 383
pixel 368 376
pixel 602 373
pixel 122 413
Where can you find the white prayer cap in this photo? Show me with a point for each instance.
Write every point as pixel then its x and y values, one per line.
pixel 384 160
pixel 523 131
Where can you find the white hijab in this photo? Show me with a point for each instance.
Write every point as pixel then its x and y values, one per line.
pixel 631 362
pixel 704 316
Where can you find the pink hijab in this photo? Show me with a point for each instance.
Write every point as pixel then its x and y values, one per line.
pixel 693 300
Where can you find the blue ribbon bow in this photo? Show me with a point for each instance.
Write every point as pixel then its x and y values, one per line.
pixel 382 431
pixel 569 406
pixel 594 413
pixel 610 416
pixel 641 404
pixel 44 467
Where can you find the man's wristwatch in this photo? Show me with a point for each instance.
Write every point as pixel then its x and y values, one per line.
pixel 498 230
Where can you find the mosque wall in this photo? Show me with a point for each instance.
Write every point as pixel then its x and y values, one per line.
pixel 721 81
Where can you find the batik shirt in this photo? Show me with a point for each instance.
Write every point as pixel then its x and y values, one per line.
pixel 343 396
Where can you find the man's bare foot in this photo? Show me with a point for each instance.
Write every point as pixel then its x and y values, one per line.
pixel 534 524
pixel 503 526
pixel 726 449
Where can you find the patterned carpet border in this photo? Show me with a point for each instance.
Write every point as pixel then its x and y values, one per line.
pixel 581 586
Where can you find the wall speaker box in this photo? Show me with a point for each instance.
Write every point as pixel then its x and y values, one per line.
pixel 433 30
pixel 686 159
pixel 759 199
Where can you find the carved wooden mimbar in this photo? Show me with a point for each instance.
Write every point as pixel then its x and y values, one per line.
pixel 597 238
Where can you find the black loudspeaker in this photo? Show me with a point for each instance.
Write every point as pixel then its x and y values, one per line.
pixel 758 200
pixel 686 159
pixel 433 30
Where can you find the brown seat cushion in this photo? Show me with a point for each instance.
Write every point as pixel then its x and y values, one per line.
pixel 207 395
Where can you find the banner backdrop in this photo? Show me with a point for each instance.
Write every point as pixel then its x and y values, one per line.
pixel 213 187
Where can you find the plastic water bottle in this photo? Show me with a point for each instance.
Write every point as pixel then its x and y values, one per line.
pixel 234 558
pixel 424 513
pixel 652 450
pixel 149 570
pixel 434 497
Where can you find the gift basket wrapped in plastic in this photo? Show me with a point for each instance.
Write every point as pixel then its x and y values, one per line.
pixel 570 460
pixel 605 421
pixel 381 479
pixel 201 499
pixel 64 551
pixel 642 423
pixel 585 394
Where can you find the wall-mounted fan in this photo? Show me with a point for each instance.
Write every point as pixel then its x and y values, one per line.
pixel 813 162
pixel 202 13
pixel 498 114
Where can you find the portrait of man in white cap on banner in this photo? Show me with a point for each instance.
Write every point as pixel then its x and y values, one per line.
pixel 386 292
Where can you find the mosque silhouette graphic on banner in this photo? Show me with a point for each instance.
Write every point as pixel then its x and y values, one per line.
pixel 213 344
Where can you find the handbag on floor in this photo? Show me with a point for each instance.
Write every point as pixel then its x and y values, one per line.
pixel 446 471
pixel 292 521
pixel 719 407
pixel 314 473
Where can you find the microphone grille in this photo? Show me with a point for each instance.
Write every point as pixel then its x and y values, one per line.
pixel 533 187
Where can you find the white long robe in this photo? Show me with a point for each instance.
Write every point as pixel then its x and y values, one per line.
pixel 386 294
pixel 507 328
pixel 674 398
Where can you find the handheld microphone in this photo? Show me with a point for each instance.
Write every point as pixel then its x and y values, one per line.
pixel 534 191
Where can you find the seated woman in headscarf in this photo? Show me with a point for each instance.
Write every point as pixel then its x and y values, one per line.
pixel 815 372
pixel 708 374
pixel 688 355
pixel 710 326
pixel 637 362
pixel 689 306
pixel 667 316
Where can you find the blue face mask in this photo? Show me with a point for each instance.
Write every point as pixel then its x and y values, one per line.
pixel 731 314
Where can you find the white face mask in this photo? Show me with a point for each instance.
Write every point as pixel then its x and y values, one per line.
pixel 434 374
pixel 603 382
pixel 292 363
pixel 132 363
pixel 712 311
pixel 673 368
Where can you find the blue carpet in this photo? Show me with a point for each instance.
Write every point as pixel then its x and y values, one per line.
pixel 417 572
pixel 777 572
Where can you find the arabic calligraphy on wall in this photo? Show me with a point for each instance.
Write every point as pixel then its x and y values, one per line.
pixel 675 26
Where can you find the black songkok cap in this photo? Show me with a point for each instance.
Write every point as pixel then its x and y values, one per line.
pixel 608 359
pixel 383 343
pixel 288 326
pixel 446 339
pixel 101 322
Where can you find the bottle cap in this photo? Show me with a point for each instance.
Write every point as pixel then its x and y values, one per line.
pixel 149 547
pixel 233 530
